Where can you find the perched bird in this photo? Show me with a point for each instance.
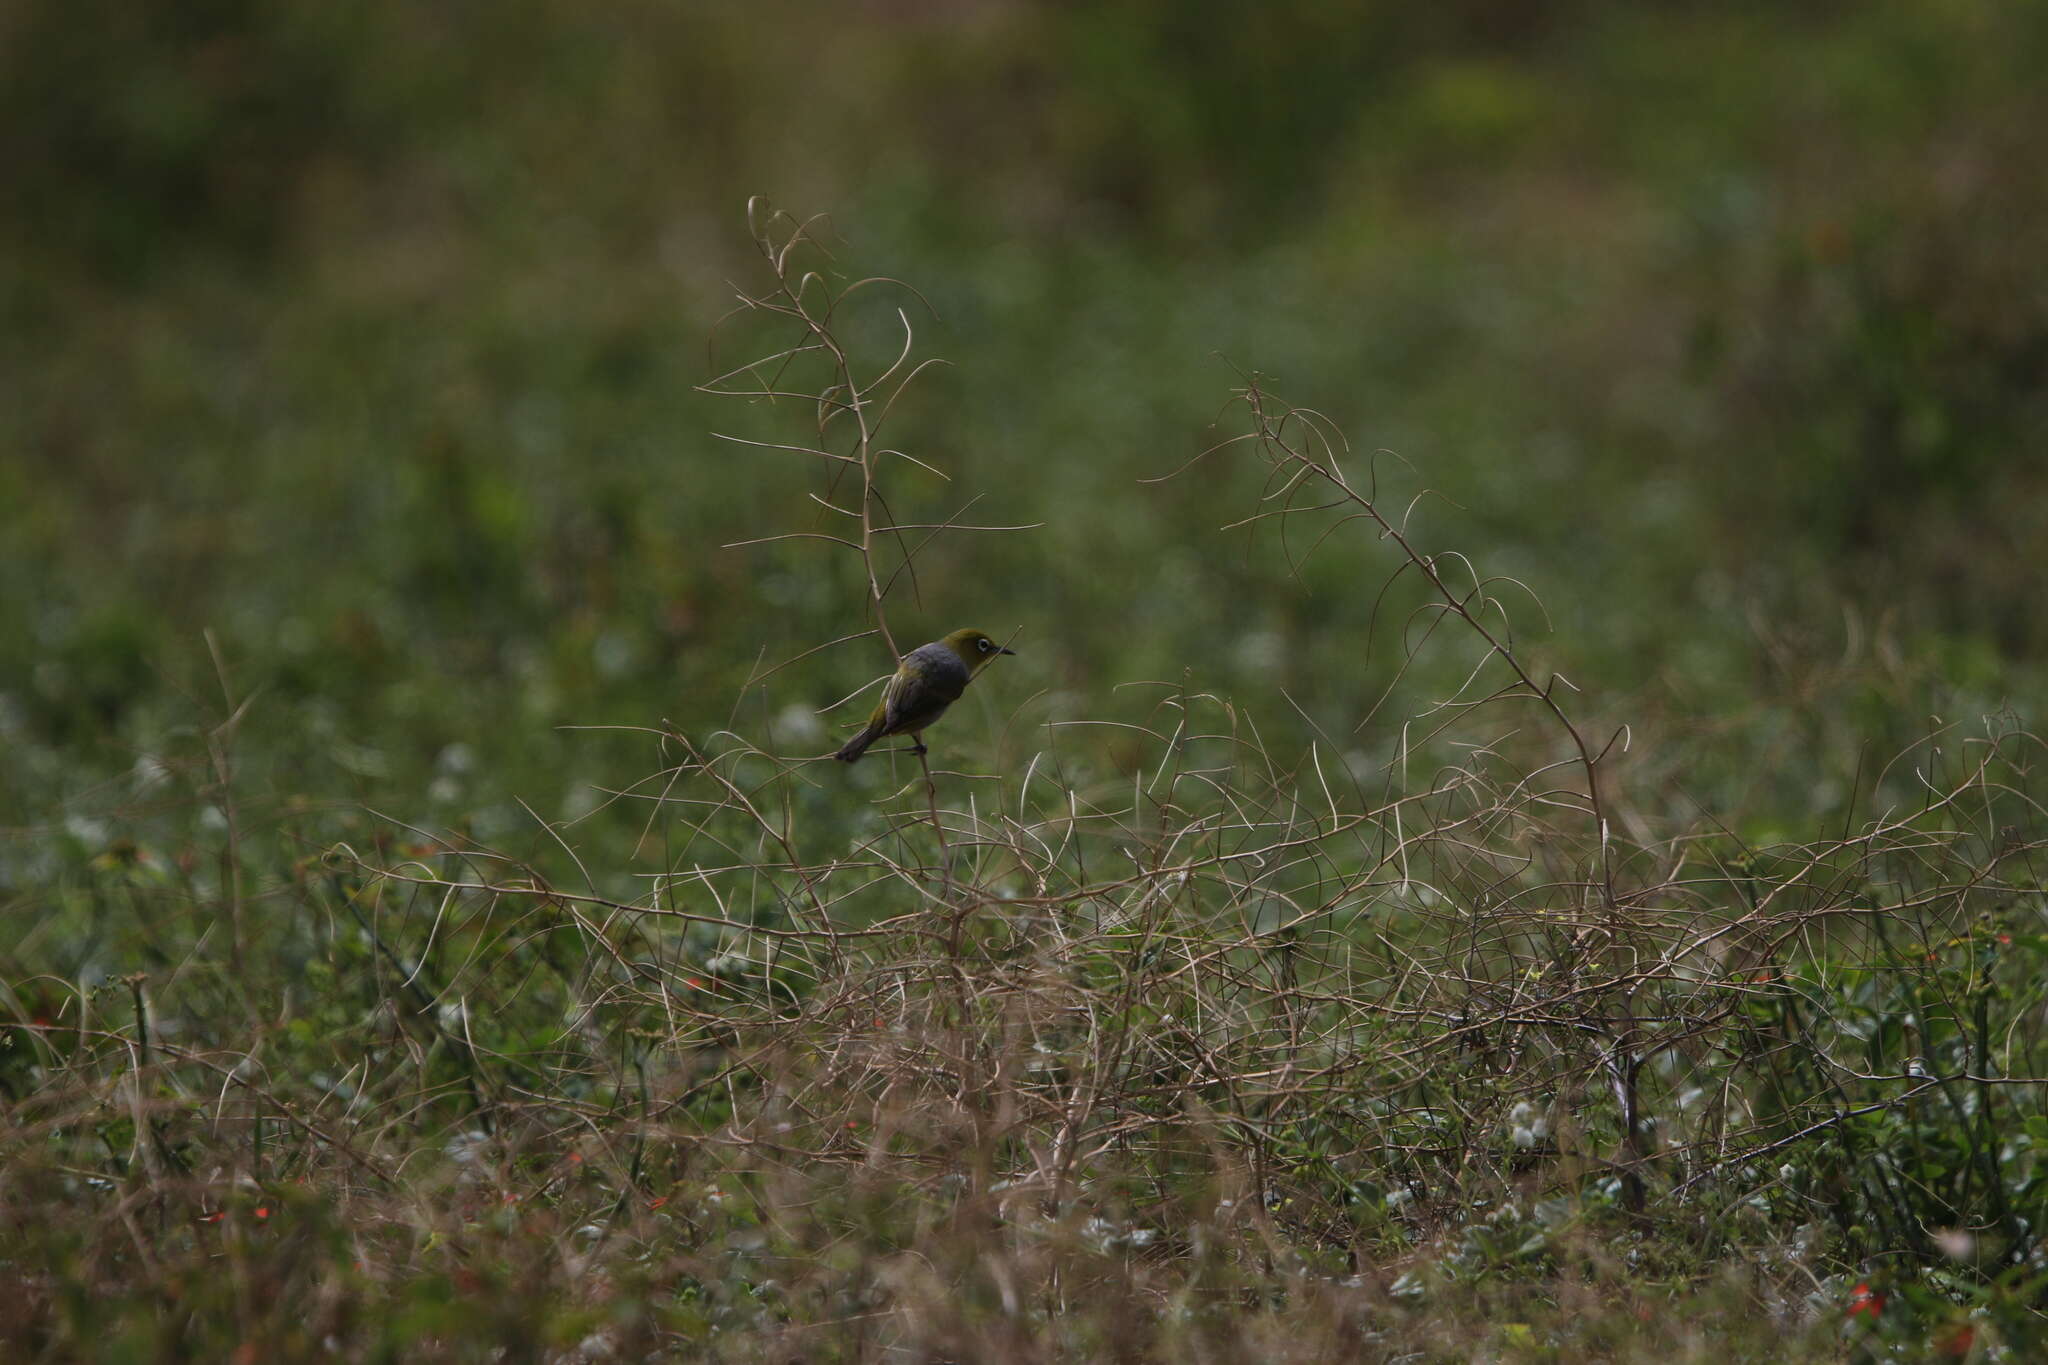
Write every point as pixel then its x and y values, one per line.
pixel 930 679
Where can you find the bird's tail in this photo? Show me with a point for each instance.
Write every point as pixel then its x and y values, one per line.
pixel 853 748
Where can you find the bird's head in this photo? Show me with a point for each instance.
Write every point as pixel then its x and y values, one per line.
pixel 974 647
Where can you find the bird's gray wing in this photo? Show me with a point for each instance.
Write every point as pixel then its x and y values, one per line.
pixel 900 684
pixel 917 694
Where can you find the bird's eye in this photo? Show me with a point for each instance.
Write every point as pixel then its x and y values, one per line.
pixel 985 645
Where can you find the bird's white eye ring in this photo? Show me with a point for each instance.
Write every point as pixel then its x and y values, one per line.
pixel 985 646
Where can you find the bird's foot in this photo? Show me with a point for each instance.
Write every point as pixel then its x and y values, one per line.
pixel 919 750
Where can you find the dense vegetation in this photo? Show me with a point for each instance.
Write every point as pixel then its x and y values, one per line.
pixel 1535 855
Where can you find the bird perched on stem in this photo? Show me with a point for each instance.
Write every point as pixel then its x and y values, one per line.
pixel 930 679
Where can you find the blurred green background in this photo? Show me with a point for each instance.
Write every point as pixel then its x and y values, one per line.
pixel 365 337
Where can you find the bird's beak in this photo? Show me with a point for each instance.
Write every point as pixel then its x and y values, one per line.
pixel 1001 650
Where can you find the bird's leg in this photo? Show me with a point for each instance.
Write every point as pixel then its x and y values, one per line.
pixel 919 749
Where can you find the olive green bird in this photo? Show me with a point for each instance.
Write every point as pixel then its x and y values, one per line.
pixel 930 679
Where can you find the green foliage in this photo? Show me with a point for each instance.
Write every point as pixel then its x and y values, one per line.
pixel 1221 998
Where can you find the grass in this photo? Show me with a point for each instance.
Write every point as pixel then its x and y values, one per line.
pixel 1569 889
pixel 1084 1039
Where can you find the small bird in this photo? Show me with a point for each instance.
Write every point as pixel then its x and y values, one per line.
pixel 930 679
